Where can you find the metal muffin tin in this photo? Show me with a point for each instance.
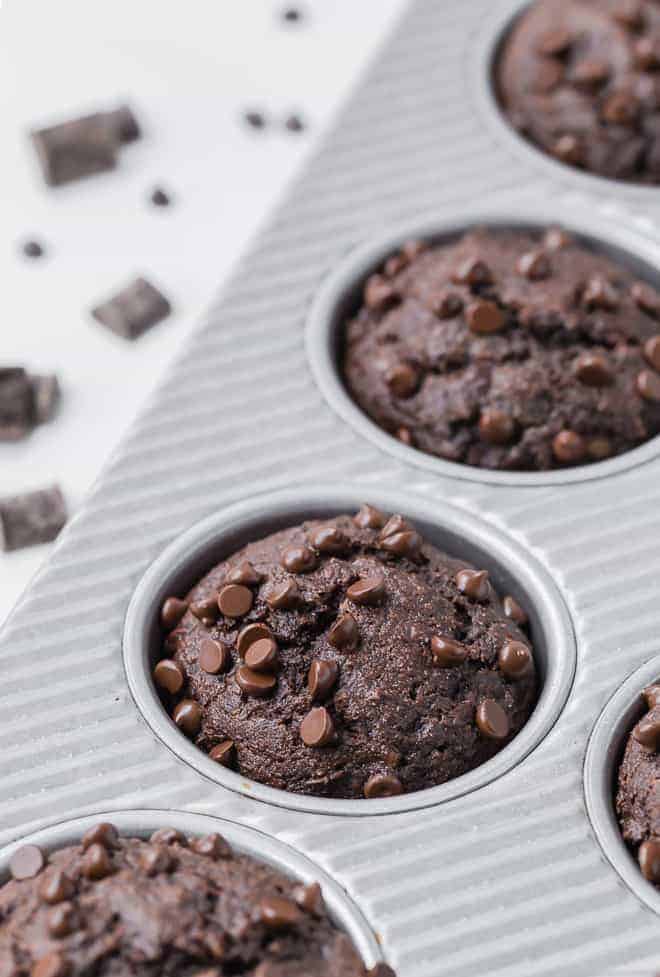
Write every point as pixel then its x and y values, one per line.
pixel 517 876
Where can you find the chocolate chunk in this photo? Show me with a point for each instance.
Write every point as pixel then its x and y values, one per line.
pixel 254 119
pixel 380 295
pixel 16 404
pixel 569 149
pixel 647 385
pixel 251 633
pixel 171 612
pixel 257 684
pixel 395 524
pixel 61 920
pixel 278 913
pixel 647 53
pixel 534 265
pixel 160 198
pixel 474 584
pixel 649 860
pixel 262 655
pixel 556 239
pixel 621 108
pixel 367 590
pixel 134 310
pixel 56 887
pixel 492 720
pixel 292 15
pixel 473 272
pixel 515 659
pixel 33 249
pixel 309 898
pixel 188 717
pixel 647 730
pixel 26 862
pixel 322 679
pixel 212 846
pixel 206 610
pixel 156 861
pixel 223 753
pixel 382 785
pixel 244 574
pixel 344 633
pixel 96 863
pixel 629 13
pixel 513 610
pixel 317 728
pixel 403 380
pixel 554 42
pixel 593 370
pixel 299 559
pixel 53 964
pixel 652 696
pixel 168 676
pixel 496 426
pixel 569 447
pixel 75 149
pixel 294 123
pixel 447 652
pixel 330 539
pixel 485 317
pixel 46 395
pixel 446 304
pixel 103 833
pixel 405 544
pixel 369 518
pixel 168 836
pixel 590 73
pixel 646 298
pixel 600 294
pixel 213 657
pixel 284 596
pixel 32 518
pixel 235 600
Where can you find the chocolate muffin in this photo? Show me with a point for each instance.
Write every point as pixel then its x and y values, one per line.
pixel 638 794
pixel 508 350
pixel 185 907
pixel 347 658
pixel 581 80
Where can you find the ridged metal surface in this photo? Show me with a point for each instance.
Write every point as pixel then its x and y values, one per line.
pixel 506 881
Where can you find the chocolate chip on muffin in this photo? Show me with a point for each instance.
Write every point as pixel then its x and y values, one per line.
pixel 549 358
pixel 366 663
pixel 169 905
pixel 638 793
pixel 580 79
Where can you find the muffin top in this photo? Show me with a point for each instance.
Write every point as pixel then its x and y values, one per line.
pixel 581 79
pixel 508 350
pixel 638 794
pixel 347 658
pixel 185 907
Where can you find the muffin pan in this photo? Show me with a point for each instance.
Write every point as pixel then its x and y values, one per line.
pixel 509 878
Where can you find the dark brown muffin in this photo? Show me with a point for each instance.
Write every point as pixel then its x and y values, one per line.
pixel 508 350
pixel 638 794
pixel 172 907
pixel 581 80
pixel 347 658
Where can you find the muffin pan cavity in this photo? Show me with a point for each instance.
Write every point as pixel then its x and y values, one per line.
pixel 513 571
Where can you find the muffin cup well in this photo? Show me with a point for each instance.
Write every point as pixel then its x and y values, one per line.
pixel 603 757
pixel 483 64
pixel 513 570
pixel 141 823
pixel 340 295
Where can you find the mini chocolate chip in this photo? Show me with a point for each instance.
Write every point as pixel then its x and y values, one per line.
pixel 599 448
pixel 621 109
pixel 96 863
pixel 535 265
pixel 593 370
pixel 649 860
pixel 168 836
pixel 26 862
pixel 257 684
pixel 235 600
pixel 277 913
pixel 223 753
pixel 568 447
pixel 652 352
pixel 447 652
pixel 403 380
pixel 647 385
pixel 369 518
pixel 169 676
pixel 33 249
pixel 317 728
pixel 344 633
pixel 515 659
pixel 382 785
pixel 555 41
pixel 492 720
pixel 284 596
pixel 159 198
pixel 52 965
pixel 61 920
pixel 556 239
pixel 322 678
pixel 379 294
pixel 329 539
pixel 600 294
pixel 55 887
pixel 206 610
pixel 496 426
pixel 188 717
pixel 299 559
pixel 367 590
pixel 651 696
pixel 473 272
pixel 590 73
pixel 405 544
pixel 569 150
pixel 309 898
pixel 473 583
pixel 262 655
pixel 211 846
pixel 213 657
pixel 514 611
pixel 395 524
pixel 446 304
pixel 156 861
pixel 485 317
pixel 244 574
pixel 171 612
pixel 647 731
pixel 251 633
pixel 646 298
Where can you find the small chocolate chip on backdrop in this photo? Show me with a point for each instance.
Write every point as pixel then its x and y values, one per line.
pixel 647 730
pixel 55 887
pixel 254 119
pixel 262 655
pixel 317 728
pixel 31 518
pixel 257 684
pixel 103 833
pixel 535 265
pixel 33 249
pixel 235 600
pixel 513 610
pixel 405 544
pixel 368 517
pixel 496 426
pixel 652 352
pixel 569 447
pixel 156 861
pixel 96 863
pixel 647 385
pixel 651 696
pixel 485 317
pixel 473 272
pixel 593 370
pixel 284 596
pixel 159 198
pixel 46 396
pixel 515 660
pixel 171 612
pixel 368 591
pixel 223 753
pixel 473 583
pixel 322 679
pixel 132 311
pixel 403 380
pixel 447 652
pixel 492 720
pixel 188 717
pixel 244 574
pixel 213 656
pixel 329 540
pixel 26 862
pixel 251 633
pixel 344 633
pixel 211 846
pixel 382 785
pixel 646 298
pixel 168 836
pixel 61 920
pixel 309 897
pixel 53 964
pixel 169 676
pixel 299 559
pixel 649 860
pixel 294 123
pixel 276 912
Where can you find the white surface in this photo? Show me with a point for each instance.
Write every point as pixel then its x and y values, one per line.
pixel 189 70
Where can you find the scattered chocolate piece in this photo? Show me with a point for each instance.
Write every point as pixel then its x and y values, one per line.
pixel 256 120
pixel 369 518
pixel 646 298
pixel 213 657
pixel 235 600
pixel 16 403
pixel 188 717
pixel 171 612
pixel 33 249
pixel 26 862
pixel 278 913
pixel 168 676
pixel 473 272
pixel 322 679
pixel 53 964
pixel 156 861
pixel 101 834
pixel 593 370
pixel 207 610
pixel 284 596
pixel 402 379
pixel 61 920
pixel 253 683
pixel 244 574
pixel 474 584
pixel 309 898
pixel 647 385
pixel 329 540
pixel 134 310
pixel 652 696
pixel 32 518
pixel 344 633
pixel 294 123
pixel 160 198
pixel 600 294
pixel 212 846
pixel 649 860
pixel 367 590
pixel 223 753
pixel 515 659
pixel 56 887
pixel 447 652
pixel 251 633
pixel 405 544
pixel 46 396
pixel 647 730
pixel 168 836
pixel 380 295
pixel 513 610
pixel 492 720
pixel 317 728
pixel 496 426
pixel 96 863
pixel 534 265
pixel 262 655
pixel 292 15
pixel 485 317
pixel 569 447
pixel 382 785
pixel 299 559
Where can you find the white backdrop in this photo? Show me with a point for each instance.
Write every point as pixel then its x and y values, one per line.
pixel 189 70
